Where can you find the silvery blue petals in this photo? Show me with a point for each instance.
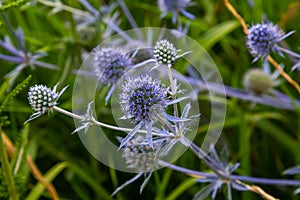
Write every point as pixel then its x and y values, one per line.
pixel 212 189
pixel 292 170
pixel 130 135
pixel 87 120
pixel 176 100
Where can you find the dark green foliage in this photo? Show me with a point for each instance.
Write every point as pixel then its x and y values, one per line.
pixel 11 5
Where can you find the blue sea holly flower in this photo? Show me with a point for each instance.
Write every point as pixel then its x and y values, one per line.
pixel 42 99
pixel 175 7
pixel 109 66
pixel 142 100
pixel 264 38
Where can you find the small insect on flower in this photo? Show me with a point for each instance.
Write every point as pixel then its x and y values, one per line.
pixel 258 82
pixel 175 7
pixel 42 99
pixel 141 100
pixel 264 38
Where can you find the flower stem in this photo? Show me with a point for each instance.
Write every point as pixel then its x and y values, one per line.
pixel 237 16
pixel 267 181
pixel 285 75
pixel 187 171
pixel 7 172
pixel 94 122
pixel 173 90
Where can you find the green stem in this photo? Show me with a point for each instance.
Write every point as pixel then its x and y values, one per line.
pixel 7 170
pixel 173 90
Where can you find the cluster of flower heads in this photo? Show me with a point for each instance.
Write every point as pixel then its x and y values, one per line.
pixel 110 64
pixel 264 38
pixel 141 96
pixel 42 99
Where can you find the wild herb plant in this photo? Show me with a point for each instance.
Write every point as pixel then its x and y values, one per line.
pixel 142 94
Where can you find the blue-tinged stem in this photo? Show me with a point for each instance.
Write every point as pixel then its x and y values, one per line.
pixel 45 65
pixel 266 181
pixel 10 27
pixel 89 7
pixel 9 48
pixel 11 58
pixel 130 19
pixel 186 171
pixel 282 101
pixel 291 53
pixel 211 163
pixel 116 28
pixel 256 180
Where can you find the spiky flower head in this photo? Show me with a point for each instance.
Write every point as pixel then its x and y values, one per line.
pixel 42 99
pixel 263 38
pixel 110 64
pixel 139 155
pixel 257 81
pixel 165 52
pixel 140 96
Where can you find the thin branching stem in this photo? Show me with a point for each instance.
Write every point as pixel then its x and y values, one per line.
pixel 97 123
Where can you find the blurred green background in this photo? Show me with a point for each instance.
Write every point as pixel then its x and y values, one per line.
pixel 265 140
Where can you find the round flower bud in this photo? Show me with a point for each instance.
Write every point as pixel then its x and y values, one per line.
pixel 139 155
pixel 263 38
pixel 140 95
pixel 165 52
pixel 257 81
pixel 42 99
pixel 110 64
